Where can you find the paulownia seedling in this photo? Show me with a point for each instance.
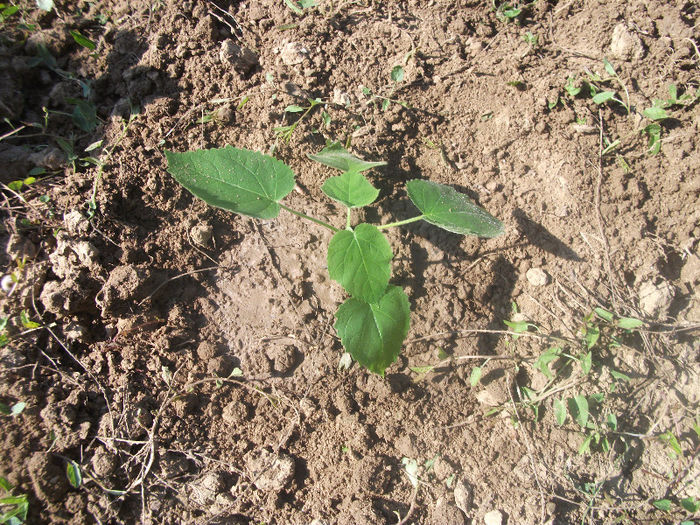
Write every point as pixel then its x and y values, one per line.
pixel 372 324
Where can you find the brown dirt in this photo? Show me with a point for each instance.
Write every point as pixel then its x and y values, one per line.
pixel 145 304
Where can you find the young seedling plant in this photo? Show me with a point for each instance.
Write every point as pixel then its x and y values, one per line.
pixel 373 322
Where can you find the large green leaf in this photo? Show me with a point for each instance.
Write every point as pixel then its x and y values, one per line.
pixel 336 156
pixel 443 206
pixel 373 333
pixel 239 180
pixel 351 188
pixel 360 260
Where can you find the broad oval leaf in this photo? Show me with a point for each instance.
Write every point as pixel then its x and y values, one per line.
pixel 336 156
pixel 238 180
pixel 445 207
pixel 374 332
pixel 351 188
pixel 360 260
pixel 655 113
pixel 578 406
pixel 600 98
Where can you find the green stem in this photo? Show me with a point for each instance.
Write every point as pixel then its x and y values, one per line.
pixel 347 223
pixel 304 216
pixel 400 223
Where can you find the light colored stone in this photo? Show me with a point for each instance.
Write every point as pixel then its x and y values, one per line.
pixel 293 53
pixel 203 491
pixel 537 277
pixel 655 299
pixel 463 497
pixel 625 45
pixel 201 234
pixel 242 59
pixel 494 517
pixel 270 472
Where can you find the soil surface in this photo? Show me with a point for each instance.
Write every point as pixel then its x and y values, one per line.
pixel 183 359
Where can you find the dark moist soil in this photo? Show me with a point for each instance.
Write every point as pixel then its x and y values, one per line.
pixel 146 298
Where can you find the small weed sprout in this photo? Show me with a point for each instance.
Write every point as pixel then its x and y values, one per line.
pixel 285 132
pixel 373 323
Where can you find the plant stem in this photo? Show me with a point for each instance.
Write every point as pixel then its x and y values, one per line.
pixel 304 216
pixel 347 224
pixel 400 223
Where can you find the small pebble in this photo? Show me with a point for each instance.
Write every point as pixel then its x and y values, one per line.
pixel 537 277
pixel 493 518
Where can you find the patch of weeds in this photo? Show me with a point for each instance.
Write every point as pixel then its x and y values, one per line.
pixel 397 76
pixel 285 132
pixel 601 89
pixel 597 422
pixel 13 509
pixel 373 323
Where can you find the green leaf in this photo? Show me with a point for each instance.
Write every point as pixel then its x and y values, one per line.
pixel 655 113
pixel 662 504
pixel 578 406
pixel 5 485
pixel 592 336
pixel 84 115
pixel 360 260
pixel 373 333
pixel 585 447
pixel 670 439
pixel 600 98
pixel 629 323
pixel 612 422
pixel 75 477
pixel 293 109
pixel 619 375
pixel 82 40
pixel 397 74
pixel 18 408
pixel 336 156
pixel 475 376
pixel 238 180
pixel 422 370
pixel 351 188
pixel 542 363
pixel 443 206
pixel 690 504
pixel 26 322
pixel 604 314
pixel 45 5
pixel 571 88
pixel 559 412
pixel 293 7
pixel 15 185
pixel 673 92
pixel 586 363
pixel 411 466
pixel 609 68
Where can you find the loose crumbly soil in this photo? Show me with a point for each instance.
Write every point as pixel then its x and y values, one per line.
pixel 143 305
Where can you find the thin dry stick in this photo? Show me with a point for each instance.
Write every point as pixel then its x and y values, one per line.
pixel 529 453
pixel 460 334
pixel 599 216
pixel 411 508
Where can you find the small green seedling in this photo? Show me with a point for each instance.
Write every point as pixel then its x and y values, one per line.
pixel 13 509
pixel 372 324
pixel 286 132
